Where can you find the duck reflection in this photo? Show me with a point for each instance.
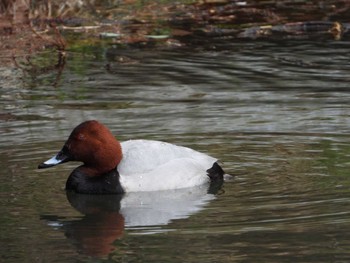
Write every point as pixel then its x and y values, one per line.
pixel 101 225
pixel 107 216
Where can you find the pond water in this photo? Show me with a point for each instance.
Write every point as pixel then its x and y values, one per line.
pixel 277 114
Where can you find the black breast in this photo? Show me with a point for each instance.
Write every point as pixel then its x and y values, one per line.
pixel 105 184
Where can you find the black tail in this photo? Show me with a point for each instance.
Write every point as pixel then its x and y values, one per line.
pixel 216 173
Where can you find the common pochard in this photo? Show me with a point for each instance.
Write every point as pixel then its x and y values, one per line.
pixel 111 167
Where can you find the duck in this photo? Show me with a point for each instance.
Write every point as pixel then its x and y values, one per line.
pixel 113 167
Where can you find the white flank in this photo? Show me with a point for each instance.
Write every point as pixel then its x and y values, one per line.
pixel 153 166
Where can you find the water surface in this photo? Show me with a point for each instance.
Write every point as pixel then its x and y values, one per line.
pixel 276 114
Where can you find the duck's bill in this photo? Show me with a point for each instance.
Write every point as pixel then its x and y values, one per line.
pixel 57 159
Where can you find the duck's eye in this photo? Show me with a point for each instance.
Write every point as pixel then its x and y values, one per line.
pixel 81 137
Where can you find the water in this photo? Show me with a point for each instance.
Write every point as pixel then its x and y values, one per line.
pixel 276 114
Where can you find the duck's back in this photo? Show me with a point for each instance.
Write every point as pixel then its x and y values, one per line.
pixel 153 165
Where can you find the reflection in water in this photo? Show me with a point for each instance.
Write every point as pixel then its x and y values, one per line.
pixel 159 208
pixel 107 216
pixel 101 225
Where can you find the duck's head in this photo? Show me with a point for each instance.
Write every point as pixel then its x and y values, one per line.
pixel 91 143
